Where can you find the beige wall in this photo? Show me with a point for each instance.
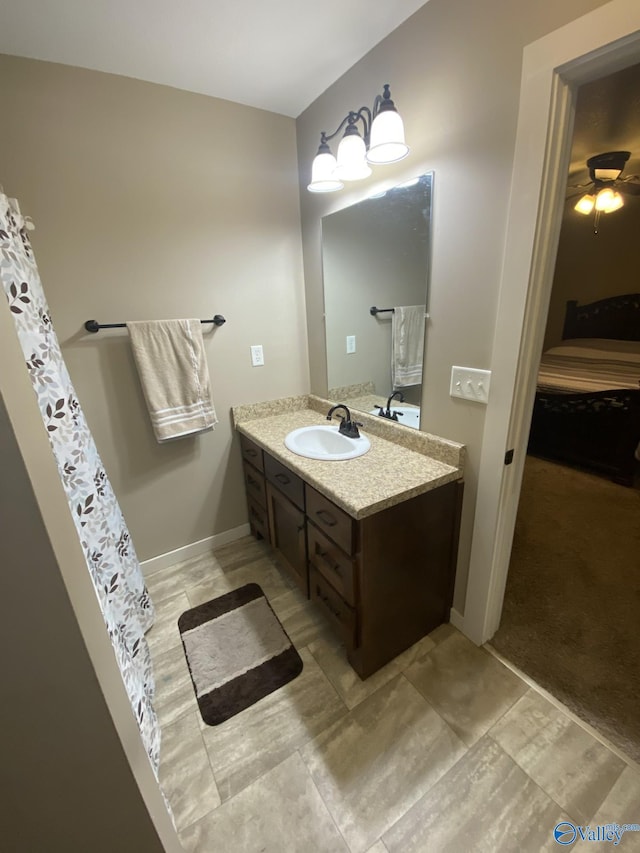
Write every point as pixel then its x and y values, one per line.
pixel 67 770
pixel 454 69
pixel 593 266
pixel 152 202
pixel 75 743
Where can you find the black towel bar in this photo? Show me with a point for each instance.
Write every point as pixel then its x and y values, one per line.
pixel 94 326
pixel 373 311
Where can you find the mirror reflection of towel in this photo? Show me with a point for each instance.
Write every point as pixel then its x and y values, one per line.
pixel 407 345
pixel 172 366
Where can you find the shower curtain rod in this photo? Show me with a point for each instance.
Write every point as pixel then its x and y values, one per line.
pixel 94 326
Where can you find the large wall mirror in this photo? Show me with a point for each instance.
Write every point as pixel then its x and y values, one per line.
pixel 375 253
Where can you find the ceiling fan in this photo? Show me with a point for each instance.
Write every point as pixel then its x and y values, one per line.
pixel 606 188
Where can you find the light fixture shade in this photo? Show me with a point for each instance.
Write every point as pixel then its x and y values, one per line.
pixel 351 161
pixel 616 203
pixel 585 204
pixel 605 199
pixel 386 143
pixel 607 174
pixel 323 178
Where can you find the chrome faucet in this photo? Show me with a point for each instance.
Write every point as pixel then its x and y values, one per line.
pixel 347 426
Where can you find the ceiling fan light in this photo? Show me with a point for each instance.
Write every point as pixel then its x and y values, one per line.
pixel 351 162
pixel 607 174
pixel 605 199
pixel 323 179
pixel 616 203
pixel 386 144
pixel 585 204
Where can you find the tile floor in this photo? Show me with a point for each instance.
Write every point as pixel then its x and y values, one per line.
pixel 445 749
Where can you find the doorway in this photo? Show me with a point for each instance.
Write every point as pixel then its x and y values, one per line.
pixel 599 43
pixel 569 618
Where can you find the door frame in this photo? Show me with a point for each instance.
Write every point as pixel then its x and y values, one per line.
pixel 599 43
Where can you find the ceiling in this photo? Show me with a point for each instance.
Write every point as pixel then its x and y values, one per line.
pixel 607 119
pixel 278 55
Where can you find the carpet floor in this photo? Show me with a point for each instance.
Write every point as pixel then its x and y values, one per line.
pixel 571 617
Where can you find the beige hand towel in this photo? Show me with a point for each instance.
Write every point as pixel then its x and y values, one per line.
pixel 172 366
pixel 407 345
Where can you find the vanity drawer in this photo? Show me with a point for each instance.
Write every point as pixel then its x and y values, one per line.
pixel 258 520
pixel 255 485
pixel 341 616
pixel 332 563
pixel 284 480
pixel 251 452
pixel 331 520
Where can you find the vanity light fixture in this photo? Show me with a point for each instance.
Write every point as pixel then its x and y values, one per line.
pixel 381 141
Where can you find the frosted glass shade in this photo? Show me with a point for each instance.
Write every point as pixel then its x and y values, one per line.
pixel 352 163
pixel 386 144
pixel 607 174
pixel 586 204
pixel 615 203
pixel 323 178
pixel 607 200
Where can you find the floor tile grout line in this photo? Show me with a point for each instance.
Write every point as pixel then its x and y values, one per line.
pixel 295 749
pixel 562 707
pixel 195 820
pixel 530 690
pixel 576 820
pixel 324 802
pixel 335 686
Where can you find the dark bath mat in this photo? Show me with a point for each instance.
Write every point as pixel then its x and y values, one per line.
pixel 237 652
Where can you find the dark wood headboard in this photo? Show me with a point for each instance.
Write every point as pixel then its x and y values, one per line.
pixel 616 318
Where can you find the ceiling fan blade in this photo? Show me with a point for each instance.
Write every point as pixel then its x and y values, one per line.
pixel 628 188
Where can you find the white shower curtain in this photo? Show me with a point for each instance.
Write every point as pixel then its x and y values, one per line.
pixel 107 546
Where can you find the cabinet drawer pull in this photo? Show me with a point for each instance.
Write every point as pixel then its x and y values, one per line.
pixel 327 604
pixel 335 567
pixel 326 517
pixel 249 451
pixel 282 478
pixel 253 483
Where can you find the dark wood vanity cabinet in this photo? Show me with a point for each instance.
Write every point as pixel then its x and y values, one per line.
pixel 383 581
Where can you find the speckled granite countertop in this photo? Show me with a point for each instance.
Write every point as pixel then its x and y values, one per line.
pixel 401 463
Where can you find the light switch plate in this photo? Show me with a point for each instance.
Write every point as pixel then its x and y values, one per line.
pixel 257 355
pixel 470 383
pixel 351 343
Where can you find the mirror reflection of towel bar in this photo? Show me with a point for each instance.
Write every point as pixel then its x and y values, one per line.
pixel 373 311
pixel 94 326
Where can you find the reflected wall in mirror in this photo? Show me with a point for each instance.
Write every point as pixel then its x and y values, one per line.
pixel 375 253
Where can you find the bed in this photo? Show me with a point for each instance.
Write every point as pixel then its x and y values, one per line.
pixel 587 405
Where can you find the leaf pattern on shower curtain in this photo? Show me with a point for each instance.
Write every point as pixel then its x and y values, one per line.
pixel 107 546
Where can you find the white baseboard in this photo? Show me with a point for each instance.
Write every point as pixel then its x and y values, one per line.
pixel 457 619
pixel 195 549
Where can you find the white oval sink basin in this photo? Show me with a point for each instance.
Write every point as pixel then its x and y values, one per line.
pixel 326 443
pixel 407 415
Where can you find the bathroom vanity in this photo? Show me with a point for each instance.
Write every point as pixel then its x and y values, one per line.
pixel 372 541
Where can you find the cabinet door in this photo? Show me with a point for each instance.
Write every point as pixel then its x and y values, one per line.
pixel 288 536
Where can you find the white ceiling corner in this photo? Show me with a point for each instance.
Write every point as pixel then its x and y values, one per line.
pixel 277 56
